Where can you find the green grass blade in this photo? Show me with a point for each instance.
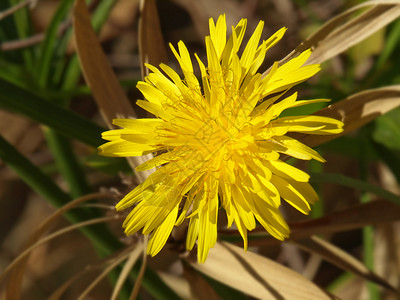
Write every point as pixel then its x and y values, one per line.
pixel 368 231
pixel 67 163
pixel 47 52
pixel 356 184
pixel 392 41
pixel 65 122
pixel 317 210
pixel 24 26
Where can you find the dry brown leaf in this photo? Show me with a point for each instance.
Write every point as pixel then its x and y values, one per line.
pixel 100 77
pixel 97 71
pixel 356 111
pixel 256 275
pixel 341 259
pixel 353 32
pixel 151 42
pixel 387 252
pixel 339 34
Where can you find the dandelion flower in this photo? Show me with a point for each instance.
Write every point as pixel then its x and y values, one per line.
pixel 220 142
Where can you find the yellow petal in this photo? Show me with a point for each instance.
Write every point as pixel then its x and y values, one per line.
pixel 193 232
pixel 285 170
pixel 296 149
pixel 294 193
pixel 218 34
pixel 122 148
pixel 307 124
pixel 250 50
pixel 160 236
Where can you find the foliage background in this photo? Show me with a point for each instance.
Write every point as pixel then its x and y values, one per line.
pixel 41 83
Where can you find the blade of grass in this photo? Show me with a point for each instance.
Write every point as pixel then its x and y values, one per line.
pixel 70 124
pixel 356 184
pixel 67 163
pixel 368 251
pixel 391 42
pixel 317 210
pixel 46 55
pixel 368 231
pixel 24 27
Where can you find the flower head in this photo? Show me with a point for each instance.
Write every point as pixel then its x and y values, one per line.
pixel 220 142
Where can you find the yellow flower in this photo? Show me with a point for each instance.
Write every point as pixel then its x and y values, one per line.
pixel 220 142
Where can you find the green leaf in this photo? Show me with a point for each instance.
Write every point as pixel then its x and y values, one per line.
pixel 17 74
pixel 387 130
pixel 70 124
